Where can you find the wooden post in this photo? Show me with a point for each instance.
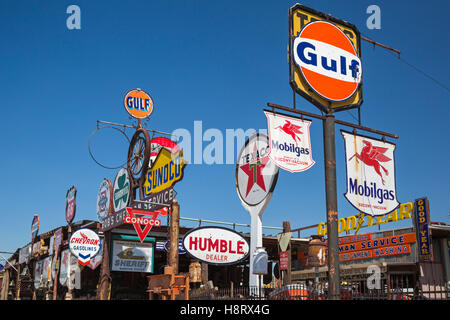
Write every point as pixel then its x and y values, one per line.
pixel 18 282
pixel 105 272
pixel 287 278
pixel 173 236
pixel 5 287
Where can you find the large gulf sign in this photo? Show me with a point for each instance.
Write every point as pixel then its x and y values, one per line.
pixel 325 63
pixel 138 103
pixel 216 245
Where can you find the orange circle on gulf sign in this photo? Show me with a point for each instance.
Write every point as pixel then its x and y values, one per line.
pixel 327 60
pixel 138 103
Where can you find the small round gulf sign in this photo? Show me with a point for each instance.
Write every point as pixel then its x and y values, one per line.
pixel 138 103
pixel 327 60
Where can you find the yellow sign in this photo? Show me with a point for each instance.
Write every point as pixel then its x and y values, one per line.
pixel 358 221
pixel 299 17
pixel 165 172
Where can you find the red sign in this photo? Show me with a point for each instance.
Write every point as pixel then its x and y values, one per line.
pixel 71 203
pixel 284 260
pixel 148 222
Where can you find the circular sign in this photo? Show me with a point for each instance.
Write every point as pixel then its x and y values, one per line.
pixel 138 103
pixel 156 144
pixel 84 244
pixel 216 245
pixel 327 60
pixel 34 227
pixel 104 199
pixel 256 174
pixel 121 190
pixel 71 204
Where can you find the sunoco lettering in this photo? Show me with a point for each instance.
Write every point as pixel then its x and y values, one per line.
pixel 162 175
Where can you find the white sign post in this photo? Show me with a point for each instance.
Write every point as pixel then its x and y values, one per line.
pixel 256 177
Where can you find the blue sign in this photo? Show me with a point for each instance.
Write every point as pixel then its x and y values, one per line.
pixel 422 220
pixel 162 245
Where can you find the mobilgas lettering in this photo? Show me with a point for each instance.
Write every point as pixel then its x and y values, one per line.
pixel 290 148
pixel 370 191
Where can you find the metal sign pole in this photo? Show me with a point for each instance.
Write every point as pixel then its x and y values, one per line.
pixel 331 203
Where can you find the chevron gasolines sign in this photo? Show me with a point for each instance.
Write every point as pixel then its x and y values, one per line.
pixel 370 174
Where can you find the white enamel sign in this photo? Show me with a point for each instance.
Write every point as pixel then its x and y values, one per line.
pixel 104 200
pixel 256 174
pixel 84 244
pixel 370 174
pixel 216 245
pixel 290 143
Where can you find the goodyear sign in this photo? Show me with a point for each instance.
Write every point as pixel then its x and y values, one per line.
pixel 362 221
pixel 422 220
pixel 167 169
pixel 324 59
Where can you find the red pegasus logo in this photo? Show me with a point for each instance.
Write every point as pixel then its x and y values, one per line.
pixel 372 156
pixel 291 129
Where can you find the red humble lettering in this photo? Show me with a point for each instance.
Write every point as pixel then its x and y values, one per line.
pixel 223 246
pixel 193 241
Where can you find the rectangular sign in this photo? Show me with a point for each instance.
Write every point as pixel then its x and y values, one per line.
pixel 421 221
pixel 114 220
pixel 378 243
pixel 375 253
pixel 284 260
pixel 132 256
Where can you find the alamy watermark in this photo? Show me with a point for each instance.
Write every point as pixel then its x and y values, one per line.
pixel 212 146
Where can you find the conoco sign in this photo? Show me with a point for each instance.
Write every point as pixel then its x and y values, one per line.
pixel 216 245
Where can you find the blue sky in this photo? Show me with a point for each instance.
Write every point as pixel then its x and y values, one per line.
pixel 214 61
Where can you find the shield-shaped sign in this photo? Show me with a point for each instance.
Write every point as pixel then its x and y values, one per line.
pixel 71 203
pixel 34 227
pixel 121 190
pixel 290 143
pixel 104 199
pixel 370 174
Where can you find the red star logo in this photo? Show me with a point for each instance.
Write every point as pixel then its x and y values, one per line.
pixel 253 170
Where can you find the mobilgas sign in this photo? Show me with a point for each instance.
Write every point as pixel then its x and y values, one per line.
pixel 138 103
pixel 216 245
pixel 290 143
pixel 325 64
pixel 370 174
